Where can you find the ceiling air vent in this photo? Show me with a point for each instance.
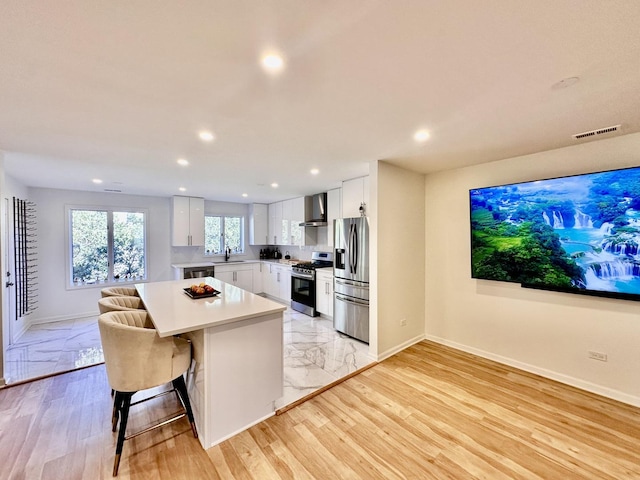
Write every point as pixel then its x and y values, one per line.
pixel 595 133
pixel 112 190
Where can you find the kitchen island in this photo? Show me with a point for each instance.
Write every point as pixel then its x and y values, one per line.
pixel 238 350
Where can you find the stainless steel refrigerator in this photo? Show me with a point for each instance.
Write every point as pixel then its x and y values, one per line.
pixel 351 277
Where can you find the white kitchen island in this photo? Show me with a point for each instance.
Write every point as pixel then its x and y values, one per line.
pixel 238 347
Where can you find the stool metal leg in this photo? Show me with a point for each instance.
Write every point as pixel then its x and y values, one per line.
pixel 124 410
pixel 181 388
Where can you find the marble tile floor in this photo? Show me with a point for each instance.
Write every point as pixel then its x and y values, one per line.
pixel 315 354
pixel 52 348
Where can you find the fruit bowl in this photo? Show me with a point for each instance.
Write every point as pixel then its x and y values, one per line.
pixel 201 291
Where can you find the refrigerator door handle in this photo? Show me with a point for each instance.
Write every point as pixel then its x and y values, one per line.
pixel 352 249
pixel 355 249
pixel 340 281
pixel 352 301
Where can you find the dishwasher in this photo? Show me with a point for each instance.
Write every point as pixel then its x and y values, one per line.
pixel 199 272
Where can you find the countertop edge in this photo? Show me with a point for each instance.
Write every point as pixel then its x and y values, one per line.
pixel 219 323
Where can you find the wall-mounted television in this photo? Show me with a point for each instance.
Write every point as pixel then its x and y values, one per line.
pixel 577 234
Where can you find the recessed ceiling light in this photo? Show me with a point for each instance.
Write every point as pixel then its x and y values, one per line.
pixel 315 171
pixel 97 181
pixel 245 195
pixel 183 162
pixel 272 62
pixel 182 189
pixel 274 185
pixel 421 136
pixel 206 136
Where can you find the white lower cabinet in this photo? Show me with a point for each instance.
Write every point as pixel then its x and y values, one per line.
pixel 324 292
pixel 239 275
pixel 277 281
pixel 258 282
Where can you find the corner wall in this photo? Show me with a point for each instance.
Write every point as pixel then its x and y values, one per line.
pixel 548 333
pixel 398 257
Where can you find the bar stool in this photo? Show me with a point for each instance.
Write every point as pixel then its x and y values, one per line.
pixel 119 292
pixel 116 304
pixel 136 359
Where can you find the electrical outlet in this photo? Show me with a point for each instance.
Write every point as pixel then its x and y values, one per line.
pixel 403 322
pixel 598 356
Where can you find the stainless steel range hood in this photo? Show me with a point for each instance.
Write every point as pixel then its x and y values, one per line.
pixel 315 210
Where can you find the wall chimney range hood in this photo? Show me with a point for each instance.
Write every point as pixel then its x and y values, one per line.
pixel 315 210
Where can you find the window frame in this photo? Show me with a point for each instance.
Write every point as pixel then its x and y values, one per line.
pixel 110 210
pixel 224 218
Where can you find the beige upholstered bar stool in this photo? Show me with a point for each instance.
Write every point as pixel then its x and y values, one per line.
pixel 137 359
pixel 119 292
pixel 118 304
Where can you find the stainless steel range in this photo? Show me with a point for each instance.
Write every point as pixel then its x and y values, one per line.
pixel 303 282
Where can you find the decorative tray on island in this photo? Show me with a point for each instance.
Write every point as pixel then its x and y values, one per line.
pixel 210 293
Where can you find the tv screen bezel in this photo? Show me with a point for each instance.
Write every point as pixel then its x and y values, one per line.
pixel 545 287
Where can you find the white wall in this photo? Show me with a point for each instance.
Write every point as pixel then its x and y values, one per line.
pixel 544 332
pixel 396 209
pixel 55 300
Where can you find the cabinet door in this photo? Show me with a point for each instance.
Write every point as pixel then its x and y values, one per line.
pixel 187 227
pixel 258 281
pixel 321 296
pixel 296 232
pixel 196 221
pixel 224 276
pixel 287 212
pixel 285 283
pixel 258 224
pixel 270 278
pixel 352 197
pixel 329 288
pixel 334 210
pixel 244 279
pixel 324 293
pixel 275 223
pixel 180 222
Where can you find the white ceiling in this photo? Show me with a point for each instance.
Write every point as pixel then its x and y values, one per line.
pixel 119 90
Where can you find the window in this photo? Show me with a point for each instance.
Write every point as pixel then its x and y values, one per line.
pixel 223 232
pixel 107 245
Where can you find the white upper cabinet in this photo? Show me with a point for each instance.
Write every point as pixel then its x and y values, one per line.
pixel 187 222
pixel 355 193
pixel 301 236
pixel 284 223
pixel 287 211
pixel 334 210
pixel 259 224
pixel 275 223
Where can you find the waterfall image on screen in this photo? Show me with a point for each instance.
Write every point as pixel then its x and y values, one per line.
pixel 578 233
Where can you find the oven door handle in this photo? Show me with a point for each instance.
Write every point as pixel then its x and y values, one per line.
pixel 352 301
pixel 305 276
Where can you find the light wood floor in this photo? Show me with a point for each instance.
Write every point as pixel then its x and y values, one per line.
pixel 429 413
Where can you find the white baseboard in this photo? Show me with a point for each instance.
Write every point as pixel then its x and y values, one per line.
pixel 19 334
pixel 62 318
pixel 543 372
pixel 398 348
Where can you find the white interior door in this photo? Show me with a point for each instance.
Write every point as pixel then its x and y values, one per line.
pixel 9 320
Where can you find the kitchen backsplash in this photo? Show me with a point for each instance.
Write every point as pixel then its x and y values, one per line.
pixel 196 254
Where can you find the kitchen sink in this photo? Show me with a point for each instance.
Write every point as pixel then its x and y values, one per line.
pixel 230 261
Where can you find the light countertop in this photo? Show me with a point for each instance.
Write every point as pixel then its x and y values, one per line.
pixel 192 265
pixel 173 311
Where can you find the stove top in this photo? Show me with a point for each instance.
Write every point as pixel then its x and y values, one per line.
pixel 318 260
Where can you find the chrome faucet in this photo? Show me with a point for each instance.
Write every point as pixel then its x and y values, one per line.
pixel 227 254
